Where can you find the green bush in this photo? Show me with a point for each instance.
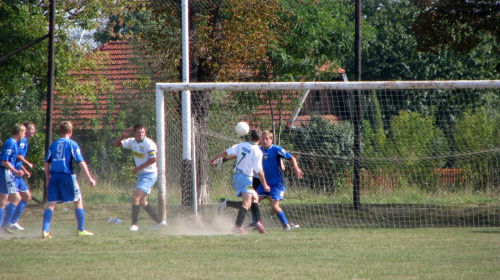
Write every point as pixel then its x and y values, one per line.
pixel 323 146
pixel 477 140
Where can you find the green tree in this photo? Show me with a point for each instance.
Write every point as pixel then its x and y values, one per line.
pixel 460 25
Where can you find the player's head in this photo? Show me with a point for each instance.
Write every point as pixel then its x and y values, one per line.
pixel 65 128
pixel 18 130
pixel 139 132
pixel 267 139
pixel 30 129
pixel 255 135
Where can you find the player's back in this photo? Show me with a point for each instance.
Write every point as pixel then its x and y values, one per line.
pixel 248 158
pixel 60 155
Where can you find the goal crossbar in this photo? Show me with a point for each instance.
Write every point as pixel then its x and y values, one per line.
pixel 236 86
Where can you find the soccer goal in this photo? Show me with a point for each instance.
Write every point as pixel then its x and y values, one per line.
pixel 374 154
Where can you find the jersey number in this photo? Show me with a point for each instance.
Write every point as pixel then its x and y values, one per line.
pixel 243 156
pixel 60 150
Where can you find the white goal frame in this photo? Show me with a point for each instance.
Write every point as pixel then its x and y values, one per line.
pixel 236 86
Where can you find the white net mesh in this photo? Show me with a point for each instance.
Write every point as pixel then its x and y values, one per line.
pixel 430 157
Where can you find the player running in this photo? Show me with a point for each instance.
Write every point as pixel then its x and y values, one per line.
pixel 248 160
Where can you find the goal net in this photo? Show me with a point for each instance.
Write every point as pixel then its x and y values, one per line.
pixel 429 151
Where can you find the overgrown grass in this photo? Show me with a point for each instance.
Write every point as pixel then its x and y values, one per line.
pixel 204 251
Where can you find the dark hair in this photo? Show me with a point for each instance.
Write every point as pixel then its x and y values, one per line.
pixel 139 126
pixel 26 124
pixel 255 134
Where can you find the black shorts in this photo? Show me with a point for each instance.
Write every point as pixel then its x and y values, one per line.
pixel 255 183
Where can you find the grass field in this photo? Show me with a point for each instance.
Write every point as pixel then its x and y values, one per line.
pixel 192 250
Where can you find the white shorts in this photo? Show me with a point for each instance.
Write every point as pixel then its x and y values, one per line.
pixel 146 181
pixel 242 184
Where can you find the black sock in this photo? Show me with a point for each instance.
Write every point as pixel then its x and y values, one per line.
pixel 234 204
pixel 255 209
pixel 135 213
pixel 241 217
pixel 152 212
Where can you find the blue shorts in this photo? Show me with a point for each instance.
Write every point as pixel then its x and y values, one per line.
pixel 7 184
pixel 146 181
pixel 242 184
pixel 21 184
pixel 276 193
pixel 63 187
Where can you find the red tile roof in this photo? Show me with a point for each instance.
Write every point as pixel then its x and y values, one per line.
pixel 118 74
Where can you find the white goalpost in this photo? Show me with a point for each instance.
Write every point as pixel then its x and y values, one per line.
pixel 430 150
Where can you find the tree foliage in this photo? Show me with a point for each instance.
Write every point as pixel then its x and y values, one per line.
pixel 455 24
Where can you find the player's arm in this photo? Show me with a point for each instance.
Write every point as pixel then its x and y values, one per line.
pixel 150 161
pixel 26 172
pixel 85 169
pixel 8 166
pixel 217 156
pixel 229 157
pixel 263 180
pixel 125 134
pixel 25 161
pixel 298 171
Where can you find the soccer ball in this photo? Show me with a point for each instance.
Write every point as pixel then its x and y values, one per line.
pixel 242 129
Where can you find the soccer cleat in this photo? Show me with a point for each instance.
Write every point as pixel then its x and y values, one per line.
pixel 252 226
pixel 134 228
pixel 290 226
pixel 46 235
pixel 238 230
pixel 6 229
pixel 222 205
pixel 260 227
pixel 84 233
pixel 158 225
pixel 16 226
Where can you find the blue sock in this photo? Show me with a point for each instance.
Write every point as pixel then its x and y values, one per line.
pixel 282 218
pixel 47 218
pixel 18 212
pixel 80 218
pixel 2 212
pixel 9 211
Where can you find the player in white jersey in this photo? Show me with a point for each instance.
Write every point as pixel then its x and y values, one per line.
pixel 144 152
pixel 248 161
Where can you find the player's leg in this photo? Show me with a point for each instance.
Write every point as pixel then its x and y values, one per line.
pixel 14 199
pixel 25 199
pixel 277 195
pixel 10 189
pixel 3 202
pixel 136 207
pixel 47 218
pixel 145 182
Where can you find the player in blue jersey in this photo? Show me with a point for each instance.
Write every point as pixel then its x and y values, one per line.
pixel 275 176
pixel 248 161
pixel 273 171
pixel 8 189
pixel 22 187
pixel 61 180
pixel 144 152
